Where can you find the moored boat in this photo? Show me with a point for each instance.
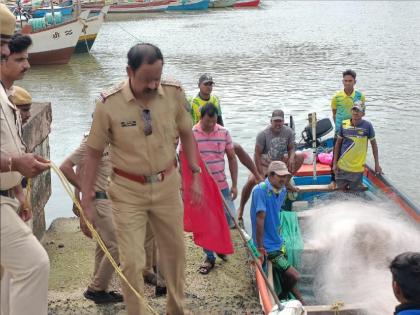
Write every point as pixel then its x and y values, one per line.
pixel 54 44
pixel 246 3
pixel 129 7
pixel 89 33
pixel 314 191
pixel 187 5
pixel 221 3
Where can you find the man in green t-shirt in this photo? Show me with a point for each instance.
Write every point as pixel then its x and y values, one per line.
pixel 204 96
pixel 342 102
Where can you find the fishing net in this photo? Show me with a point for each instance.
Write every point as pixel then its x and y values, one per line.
pixel 292 237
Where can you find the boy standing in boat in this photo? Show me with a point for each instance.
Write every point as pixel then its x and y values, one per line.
pixel 351 149
pixel 405 269
pixel 267 200
pixel 342 103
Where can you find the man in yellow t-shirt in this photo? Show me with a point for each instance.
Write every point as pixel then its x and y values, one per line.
pixel 351 149
pixel 204 96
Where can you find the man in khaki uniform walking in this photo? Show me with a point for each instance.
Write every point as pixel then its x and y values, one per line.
pixel 103 269
pixel 21 253
pixel 140 119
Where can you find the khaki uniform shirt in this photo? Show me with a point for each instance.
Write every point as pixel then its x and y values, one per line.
pixel 118 120
pixel 11 142
pixel 104 169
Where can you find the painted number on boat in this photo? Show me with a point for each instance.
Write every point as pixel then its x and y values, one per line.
pixel 56 35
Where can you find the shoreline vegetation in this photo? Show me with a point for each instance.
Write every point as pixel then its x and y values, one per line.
pixel 227 289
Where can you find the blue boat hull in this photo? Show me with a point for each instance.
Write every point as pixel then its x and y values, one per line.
pixel 201 5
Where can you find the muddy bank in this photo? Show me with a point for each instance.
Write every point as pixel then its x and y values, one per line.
pixel 227 289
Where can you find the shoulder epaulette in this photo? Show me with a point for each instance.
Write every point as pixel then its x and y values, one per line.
pixel 171 82
pixel 107 93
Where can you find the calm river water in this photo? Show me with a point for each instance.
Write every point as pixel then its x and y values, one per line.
pixel 285 54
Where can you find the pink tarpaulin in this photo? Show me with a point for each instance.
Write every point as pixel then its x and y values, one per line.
pixel 206 221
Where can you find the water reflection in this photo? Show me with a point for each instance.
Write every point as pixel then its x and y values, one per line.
pixel 287 55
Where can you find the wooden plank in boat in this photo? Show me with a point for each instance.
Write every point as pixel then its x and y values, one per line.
pixel 315 188
pixel 320 188
pixel 346 309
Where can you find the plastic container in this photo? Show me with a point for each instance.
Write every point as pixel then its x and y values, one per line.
pixel 308 156
pixel 58 17
pixel 37 24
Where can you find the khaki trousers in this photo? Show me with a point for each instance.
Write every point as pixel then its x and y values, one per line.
pixel 135 205
pixel 103 270
pixel 26 260
pixel 151 255
pixel 150 251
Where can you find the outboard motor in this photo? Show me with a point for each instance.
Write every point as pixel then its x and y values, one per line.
pixel 323 127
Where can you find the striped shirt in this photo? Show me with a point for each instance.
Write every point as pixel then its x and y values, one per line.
pixel 212 147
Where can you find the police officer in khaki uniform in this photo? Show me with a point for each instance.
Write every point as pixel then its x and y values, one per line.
pixel 21 253
pixel 23 101
pixel 103 269
pixel 140 119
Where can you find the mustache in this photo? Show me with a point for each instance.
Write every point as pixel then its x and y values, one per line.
pixel 148 90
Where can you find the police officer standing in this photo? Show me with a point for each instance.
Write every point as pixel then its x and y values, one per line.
pixel 21 253
pixel 140 119
pixel 103 269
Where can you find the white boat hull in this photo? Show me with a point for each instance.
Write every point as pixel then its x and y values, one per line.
pixel 54 45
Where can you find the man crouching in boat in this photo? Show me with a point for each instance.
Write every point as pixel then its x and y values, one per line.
pixel 351 148
pixel 267 199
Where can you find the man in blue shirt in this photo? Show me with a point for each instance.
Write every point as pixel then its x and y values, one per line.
pixel 405 269
pixel 267 199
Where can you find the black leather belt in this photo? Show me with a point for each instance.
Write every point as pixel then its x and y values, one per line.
pixel 101 195
pixel 7 193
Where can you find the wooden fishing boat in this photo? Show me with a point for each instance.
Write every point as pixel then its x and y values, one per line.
pixel 188 5
pixel 129 7
pixel 313 187
pixel 55 44
pixel 221 3
pixel 89 33
pixel 246 3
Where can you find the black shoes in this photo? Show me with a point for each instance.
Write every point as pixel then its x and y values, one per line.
pixel 103 297
pixel 160 291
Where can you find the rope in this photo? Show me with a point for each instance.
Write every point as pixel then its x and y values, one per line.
pixel 28 193
pixel 336 307
pixel 67 186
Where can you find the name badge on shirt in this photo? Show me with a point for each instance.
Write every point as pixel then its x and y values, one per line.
pixel 130 123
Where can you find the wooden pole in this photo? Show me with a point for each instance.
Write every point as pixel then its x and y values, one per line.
pixel 312 121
